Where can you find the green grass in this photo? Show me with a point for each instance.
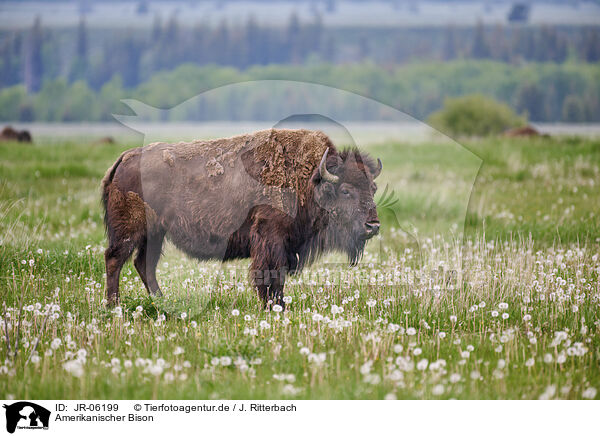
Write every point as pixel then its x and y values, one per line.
pixel 529 249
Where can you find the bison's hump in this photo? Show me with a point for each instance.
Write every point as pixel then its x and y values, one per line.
pixel 280 158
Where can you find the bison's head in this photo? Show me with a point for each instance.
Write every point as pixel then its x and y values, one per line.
pixel 344 187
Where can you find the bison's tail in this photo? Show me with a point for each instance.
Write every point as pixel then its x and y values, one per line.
pixel 106 181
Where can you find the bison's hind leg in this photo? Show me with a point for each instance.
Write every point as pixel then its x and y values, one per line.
pixel 146 260
pixel 115 257
pixel 127 227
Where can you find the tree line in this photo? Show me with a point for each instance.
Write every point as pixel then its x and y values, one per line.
pixel 34 55
pixel 568 92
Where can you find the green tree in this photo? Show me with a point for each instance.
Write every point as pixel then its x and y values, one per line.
pixel 573 109
pixel 79 67
pixel 34 68
pixel 474 115
pixel 12 102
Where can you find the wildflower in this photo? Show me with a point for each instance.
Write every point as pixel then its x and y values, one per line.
pixel 391 396
pixel 155 370
pixel 505 315
pixel 287 299
pixel 225 361
pixel 371 302
pixel 438 390
pixel 527 317
pixel 366 367
pixel 417 351
pixel 304 351
pixel 530 362
pixel 548 393
pixel 497 374
pixel 547 358
pixel 183 315
pixel 336 309
pixel 470 347
pixel 317 359
pixel 503 306
pixel 35 359
pixel 393 327
pixel 235 312
pixel 453 318
pixel 475 375
pixel 441 335
pixel 411 331
pixel 264 325
pixel 422 364
pixel 178 351
pixel 589 393
pixel 455 378
pixel 55 343
pixel 398 348
pixel 494 313
pixel 277 308
pixel 74 367
pixel 372 379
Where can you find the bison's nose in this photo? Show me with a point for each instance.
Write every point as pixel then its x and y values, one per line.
pixel 372 228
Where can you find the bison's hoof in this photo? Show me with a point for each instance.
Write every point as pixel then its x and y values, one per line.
pixel 112 300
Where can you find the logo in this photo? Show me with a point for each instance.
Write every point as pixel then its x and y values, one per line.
pixel 26 415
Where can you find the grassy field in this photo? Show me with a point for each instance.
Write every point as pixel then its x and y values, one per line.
pixel 507 308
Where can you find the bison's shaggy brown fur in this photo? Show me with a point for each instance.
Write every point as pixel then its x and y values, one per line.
pixel 258 195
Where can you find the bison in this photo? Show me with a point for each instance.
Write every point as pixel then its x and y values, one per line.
pixel 281 197
pixel 10 134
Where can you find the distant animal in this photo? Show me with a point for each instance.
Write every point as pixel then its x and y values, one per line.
pixel 105 140
pixel 280 197
pixel 10 134
pixel 521 131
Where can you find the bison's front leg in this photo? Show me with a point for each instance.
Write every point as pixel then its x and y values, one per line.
pixel 269 283
pixel 268 269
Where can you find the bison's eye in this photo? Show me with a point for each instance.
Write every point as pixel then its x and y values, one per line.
pixel 345 192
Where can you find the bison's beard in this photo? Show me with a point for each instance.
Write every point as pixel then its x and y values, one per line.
pixel 347 241
pixel 355 251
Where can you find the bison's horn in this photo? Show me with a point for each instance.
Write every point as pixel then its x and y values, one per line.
pixel 326 175
pixel 379 168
